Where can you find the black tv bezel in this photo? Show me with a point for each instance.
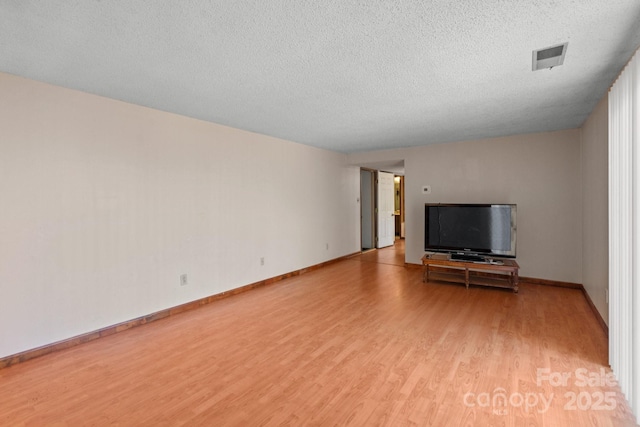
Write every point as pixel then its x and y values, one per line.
pixel 473 251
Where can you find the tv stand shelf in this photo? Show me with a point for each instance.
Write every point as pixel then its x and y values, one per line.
pixel 495 273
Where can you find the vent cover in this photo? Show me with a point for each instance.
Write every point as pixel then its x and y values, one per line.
pixel 549 57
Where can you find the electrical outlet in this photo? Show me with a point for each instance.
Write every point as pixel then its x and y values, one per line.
pixel 606 296
pixel 327 246
pixel 183 280
pixel 262 261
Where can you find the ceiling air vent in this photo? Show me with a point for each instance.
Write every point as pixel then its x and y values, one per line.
pixel 549 57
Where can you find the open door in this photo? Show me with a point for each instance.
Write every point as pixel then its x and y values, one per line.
pixel 385 204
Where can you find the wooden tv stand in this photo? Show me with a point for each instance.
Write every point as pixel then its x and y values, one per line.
pixel 501 273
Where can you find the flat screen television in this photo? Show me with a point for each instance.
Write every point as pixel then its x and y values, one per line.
pixel 470 231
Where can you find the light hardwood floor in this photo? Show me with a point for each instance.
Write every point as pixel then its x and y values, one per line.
pixel 360 342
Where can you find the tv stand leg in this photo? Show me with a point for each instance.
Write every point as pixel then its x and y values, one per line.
pixel 466 278
pixel 515 281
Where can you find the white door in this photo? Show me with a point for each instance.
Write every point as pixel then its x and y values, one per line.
pixel 385 206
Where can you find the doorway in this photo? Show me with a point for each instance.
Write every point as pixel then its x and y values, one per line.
pixel 381 208
pixel 398 189
pixel 385 210
pixel 367 209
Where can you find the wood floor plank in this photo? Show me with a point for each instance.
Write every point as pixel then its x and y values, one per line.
pixel 359 342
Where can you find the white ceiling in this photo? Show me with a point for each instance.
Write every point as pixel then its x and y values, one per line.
pixel 346 75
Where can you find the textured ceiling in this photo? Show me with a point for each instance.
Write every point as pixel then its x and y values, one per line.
pixel 346 75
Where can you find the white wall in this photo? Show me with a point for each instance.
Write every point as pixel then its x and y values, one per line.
pixel 595 206
pixel 539 172
pixel 105 204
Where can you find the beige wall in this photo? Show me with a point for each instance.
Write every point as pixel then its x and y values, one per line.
pixel 539 172
pixel 595 206
pixel 105 204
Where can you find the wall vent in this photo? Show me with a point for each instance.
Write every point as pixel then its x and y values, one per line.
pixel 549 57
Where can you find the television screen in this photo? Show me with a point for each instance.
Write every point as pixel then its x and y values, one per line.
pixel 471 228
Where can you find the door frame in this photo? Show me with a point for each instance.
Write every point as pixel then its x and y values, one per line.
pixel 385 211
